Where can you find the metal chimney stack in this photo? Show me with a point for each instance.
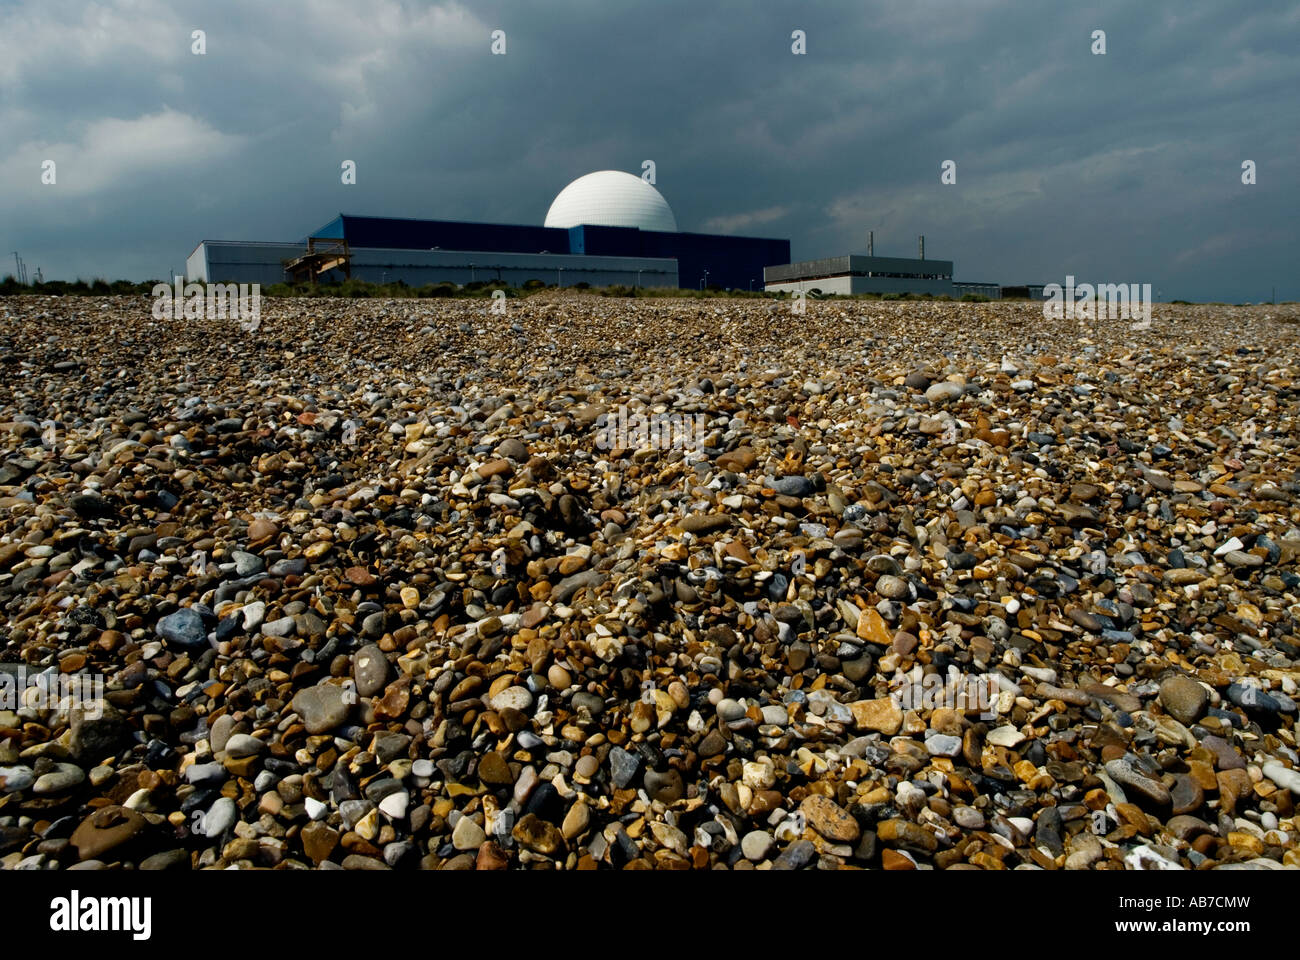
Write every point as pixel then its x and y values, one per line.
pixel 921 244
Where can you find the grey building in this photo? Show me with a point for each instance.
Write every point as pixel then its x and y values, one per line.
pixel 962 287
pixel 856 274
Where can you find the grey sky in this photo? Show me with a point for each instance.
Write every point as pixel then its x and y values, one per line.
pixel 1117 168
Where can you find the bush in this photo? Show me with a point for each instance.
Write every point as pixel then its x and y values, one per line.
pixel 354 288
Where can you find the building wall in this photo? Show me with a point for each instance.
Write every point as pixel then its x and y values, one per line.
pixel 196 264
pixel 937 288
pixel 234 261
pixel 224 262
pixel 853 265
pixel 856 285
pixel 962 287
pixel 724 261
pixel 837 285
pixel 1034 291
pixel 396 233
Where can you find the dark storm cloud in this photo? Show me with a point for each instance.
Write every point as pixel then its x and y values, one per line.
pixel 1123 167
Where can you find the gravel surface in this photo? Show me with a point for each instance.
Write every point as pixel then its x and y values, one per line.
pixel 907 585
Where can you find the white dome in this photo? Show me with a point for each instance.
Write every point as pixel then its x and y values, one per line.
pixel 611 198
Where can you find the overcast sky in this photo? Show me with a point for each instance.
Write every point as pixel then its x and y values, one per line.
pixel 1123 167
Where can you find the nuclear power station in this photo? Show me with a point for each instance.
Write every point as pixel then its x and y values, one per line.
pixel 604 229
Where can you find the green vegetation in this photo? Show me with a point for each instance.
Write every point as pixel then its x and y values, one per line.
pixel 98 287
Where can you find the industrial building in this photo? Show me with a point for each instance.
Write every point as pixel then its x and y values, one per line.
pixel 853 274
pixel 856 274
pixel 603 229
pixel 962 287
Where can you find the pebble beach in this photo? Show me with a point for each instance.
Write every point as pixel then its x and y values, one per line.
pixel 368 586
